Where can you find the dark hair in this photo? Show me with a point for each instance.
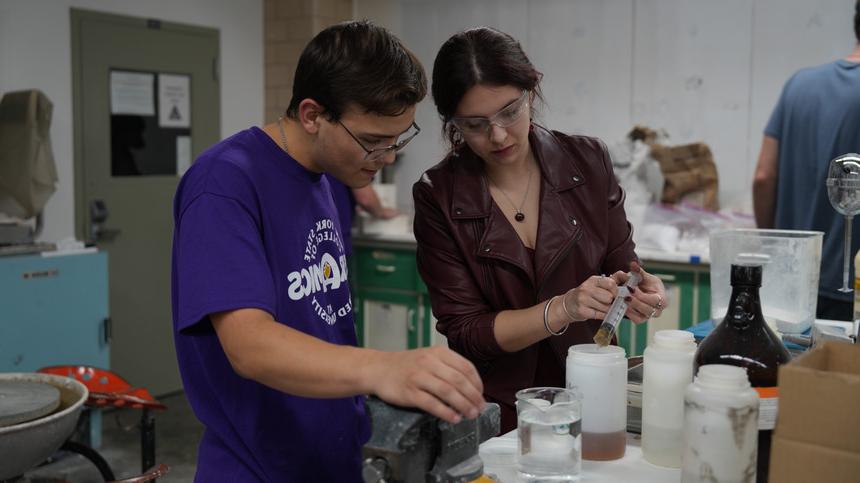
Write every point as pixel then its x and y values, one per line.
pixel 481 55
pixel 360 63
pixel 857 20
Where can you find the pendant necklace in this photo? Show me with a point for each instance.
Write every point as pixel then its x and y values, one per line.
pixel 519 216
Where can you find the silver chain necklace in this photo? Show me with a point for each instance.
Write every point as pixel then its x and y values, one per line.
pixel 283 134
pixel 519 216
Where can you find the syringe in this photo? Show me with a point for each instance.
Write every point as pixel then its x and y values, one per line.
pixel 616 311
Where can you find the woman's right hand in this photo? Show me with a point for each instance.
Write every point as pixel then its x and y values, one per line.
pixel 590 300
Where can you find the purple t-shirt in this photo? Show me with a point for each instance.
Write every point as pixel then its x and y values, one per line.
pixel 254 229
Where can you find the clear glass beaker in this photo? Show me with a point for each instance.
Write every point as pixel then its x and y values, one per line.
pixel 549 423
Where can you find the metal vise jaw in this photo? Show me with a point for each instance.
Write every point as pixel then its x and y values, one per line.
pixel 411 446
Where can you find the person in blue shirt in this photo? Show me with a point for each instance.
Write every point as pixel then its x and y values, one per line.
pixel 263 319
pixel 816 119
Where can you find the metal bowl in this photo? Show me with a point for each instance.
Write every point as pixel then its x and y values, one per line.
pixel 25 445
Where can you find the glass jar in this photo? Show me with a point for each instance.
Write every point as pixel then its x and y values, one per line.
pixel 548 435
pixel 599 374
pixel 668 370
pixel 720 434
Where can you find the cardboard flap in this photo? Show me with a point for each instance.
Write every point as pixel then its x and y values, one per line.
pixel 799 462
pixel 819 405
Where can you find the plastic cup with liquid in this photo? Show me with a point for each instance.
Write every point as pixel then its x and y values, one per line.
pixel 548 430
pixel 599 374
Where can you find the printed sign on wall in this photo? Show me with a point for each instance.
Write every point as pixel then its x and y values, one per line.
pixel 174 100
pixel 132 93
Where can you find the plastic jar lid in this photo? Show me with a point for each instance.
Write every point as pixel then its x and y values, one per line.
pixel 674 339
pixel 722 376
pixel 594 354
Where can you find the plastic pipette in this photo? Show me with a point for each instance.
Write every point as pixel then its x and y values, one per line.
pixel 616 311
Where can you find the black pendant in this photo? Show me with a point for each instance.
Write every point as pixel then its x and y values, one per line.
pixel 519 216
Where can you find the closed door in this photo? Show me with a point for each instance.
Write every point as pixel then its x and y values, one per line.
pixel 146 102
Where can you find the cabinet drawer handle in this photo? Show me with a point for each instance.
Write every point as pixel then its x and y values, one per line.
pixel 386 268
pixel 382 255
pixel 665 277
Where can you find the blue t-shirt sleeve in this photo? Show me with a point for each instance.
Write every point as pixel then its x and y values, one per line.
pixel 221 262
pixel 774 124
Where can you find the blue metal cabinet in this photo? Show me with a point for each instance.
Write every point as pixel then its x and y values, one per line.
pixel 53 311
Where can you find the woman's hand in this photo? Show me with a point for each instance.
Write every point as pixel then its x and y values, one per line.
pixel 649 297
pixel 591 300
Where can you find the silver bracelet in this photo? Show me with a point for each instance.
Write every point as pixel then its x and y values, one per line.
pixel 567 312
pixel 546 318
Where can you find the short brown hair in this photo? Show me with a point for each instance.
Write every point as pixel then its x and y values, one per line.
pixel 359 63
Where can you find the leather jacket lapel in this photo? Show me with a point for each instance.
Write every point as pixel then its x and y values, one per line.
pixel 559 226
pixel 471 200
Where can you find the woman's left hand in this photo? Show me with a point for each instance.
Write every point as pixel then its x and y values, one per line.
pixel 649 297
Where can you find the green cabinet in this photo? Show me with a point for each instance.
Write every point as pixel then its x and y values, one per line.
pixel 688 289
pixel 392 309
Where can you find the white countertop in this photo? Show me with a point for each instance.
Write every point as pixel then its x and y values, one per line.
pixel 500 461
pixel 676 257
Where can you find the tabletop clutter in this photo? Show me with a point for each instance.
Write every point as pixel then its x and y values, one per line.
pixel 735 408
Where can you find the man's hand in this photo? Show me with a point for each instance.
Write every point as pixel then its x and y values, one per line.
pixel 435 379
pixel 386 213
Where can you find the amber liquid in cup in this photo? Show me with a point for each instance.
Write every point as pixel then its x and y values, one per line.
pixel 603 446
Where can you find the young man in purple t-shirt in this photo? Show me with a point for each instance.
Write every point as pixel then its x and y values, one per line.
pixel 263 319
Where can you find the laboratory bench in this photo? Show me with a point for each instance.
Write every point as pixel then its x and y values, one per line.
pixel 392 306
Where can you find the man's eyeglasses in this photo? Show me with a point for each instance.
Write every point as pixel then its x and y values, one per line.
pixel 376 153
pixel 504 118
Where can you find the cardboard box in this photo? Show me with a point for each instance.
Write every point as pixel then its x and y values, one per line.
pixel 817 435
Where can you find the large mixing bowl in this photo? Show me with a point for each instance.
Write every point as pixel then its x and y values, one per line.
pixel 25 445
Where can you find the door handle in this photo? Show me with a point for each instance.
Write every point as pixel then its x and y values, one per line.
pixel 410 320
pixel 98 215
pixel 386 268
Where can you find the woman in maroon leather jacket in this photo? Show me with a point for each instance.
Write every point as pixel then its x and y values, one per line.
pixel 516 225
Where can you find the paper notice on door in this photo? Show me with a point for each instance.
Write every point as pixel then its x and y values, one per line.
pixel 183 154
pixel 174 100
pixel 132 93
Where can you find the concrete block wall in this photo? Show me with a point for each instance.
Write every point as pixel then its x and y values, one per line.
pixel 289 25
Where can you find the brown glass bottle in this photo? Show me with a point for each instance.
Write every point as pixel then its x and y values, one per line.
pixel 744 339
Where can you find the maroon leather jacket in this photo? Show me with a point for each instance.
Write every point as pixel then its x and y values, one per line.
pixel 475 265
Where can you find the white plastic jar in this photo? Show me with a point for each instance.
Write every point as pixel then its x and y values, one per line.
pixel 720 426
pixel 668 371
pixel 599 374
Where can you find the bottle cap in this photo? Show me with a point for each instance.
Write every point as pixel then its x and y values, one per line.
pixel 746 274
pixel 722 376
pixel 595 354
pixel 674 339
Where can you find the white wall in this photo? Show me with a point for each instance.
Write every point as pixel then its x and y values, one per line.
pixel 35 53
pixel 700 69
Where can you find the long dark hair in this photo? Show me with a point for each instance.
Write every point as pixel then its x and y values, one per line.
pixel 360 63
pixel 481 55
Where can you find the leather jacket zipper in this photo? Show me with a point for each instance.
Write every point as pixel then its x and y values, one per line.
pixel 558 257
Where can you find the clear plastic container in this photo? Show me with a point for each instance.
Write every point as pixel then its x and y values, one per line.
pixel 720 426
pixel 668 370
pixel 599 374
pixel 792 264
